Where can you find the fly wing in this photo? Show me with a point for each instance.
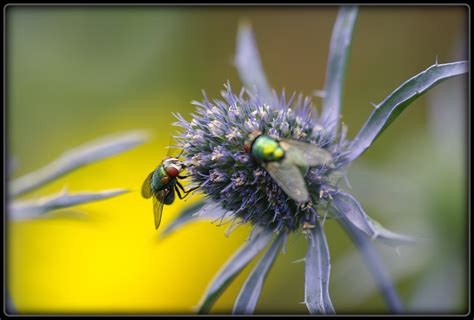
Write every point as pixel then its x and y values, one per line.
pixel 146 186
pixel 290 179
pixel 306 154
pixel 158 203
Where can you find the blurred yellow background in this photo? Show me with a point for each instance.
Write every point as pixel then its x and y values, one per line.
pixel 76 73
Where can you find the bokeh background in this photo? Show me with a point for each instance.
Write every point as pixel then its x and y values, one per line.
pixel 77 73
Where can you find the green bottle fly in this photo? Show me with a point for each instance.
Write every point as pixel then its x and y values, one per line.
pixel 287 161
pixel 162 183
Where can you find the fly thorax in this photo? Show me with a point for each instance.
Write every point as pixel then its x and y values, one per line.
pixel 266 148
pixel 157 182
pixel 165 179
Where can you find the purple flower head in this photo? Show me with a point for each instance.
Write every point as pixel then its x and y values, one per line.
pixel 233 178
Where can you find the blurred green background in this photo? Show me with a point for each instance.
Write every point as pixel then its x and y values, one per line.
pixel 79 72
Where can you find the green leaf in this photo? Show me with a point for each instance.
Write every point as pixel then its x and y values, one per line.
pixel 233 267
pixel 393 105
pixel 249 66
pixel 338 55
pixel 29 209
pixel 76 158
pixel 317 271
pixel 250 292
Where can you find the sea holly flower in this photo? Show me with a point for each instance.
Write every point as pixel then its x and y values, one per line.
pixel 239 189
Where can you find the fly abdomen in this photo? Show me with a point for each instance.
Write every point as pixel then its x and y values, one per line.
pixel 169 198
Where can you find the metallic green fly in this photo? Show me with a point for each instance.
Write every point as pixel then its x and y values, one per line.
pixel 286 161
pixel 162 184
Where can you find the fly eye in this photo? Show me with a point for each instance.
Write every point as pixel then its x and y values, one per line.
pixel 246 148
pixel 278 153
pixel 172 171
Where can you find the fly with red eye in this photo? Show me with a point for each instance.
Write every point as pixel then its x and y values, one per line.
pixel 162 184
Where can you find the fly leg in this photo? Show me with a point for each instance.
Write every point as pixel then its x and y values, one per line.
pixel 179 193
pixel 186 192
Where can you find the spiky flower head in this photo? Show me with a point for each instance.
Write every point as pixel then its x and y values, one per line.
pixel 213 147
pixel 240 182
